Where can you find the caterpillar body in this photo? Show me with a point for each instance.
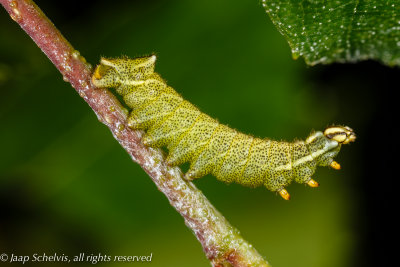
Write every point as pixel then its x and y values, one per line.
pixel 211 147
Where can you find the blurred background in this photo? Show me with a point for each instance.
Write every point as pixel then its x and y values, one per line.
pixel 67 187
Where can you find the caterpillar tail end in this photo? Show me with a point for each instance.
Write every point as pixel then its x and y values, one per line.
pixel 341 134
pixel 284 194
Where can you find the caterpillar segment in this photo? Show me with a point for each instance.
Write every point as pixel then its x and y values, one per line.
pixel 211 147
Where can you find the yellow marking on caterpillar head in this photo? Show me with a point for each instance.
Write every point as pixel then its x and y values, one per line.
pixel 104 76
pixel 96 74
pixel 341 134
pixel 284 194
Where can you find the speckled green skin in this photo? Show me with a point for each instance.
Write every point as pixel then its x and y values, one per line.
pixel 210 147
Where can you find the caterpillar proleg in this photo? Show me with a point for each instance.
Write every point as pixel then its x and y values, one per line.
pixel 211 147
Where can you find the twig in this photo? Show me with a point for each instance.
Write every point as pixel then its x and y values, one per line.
pixel 221 242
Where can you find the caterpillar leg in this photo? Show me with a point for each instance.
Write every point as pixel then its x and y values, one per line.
pixel 335 165
pixel 284 194
pixel 312 183
pixel 190 176
pixel 132 121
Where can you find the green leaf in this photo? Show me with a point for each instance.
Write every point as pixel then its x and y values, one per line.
pixel 325 31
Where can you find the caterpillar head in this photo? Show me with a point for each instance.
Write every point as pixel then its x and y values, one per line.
pixel 340 134
pixel 114 72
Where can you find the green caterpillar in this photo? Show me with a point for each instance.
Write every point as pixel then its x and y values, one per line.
pixel 211 147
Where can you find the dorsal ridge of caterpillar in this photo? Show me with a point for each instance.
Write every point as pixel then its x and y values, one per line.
pixel 209 146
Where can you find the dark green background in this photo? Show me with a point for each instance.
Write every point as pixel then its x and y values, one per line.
pixel 66 186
